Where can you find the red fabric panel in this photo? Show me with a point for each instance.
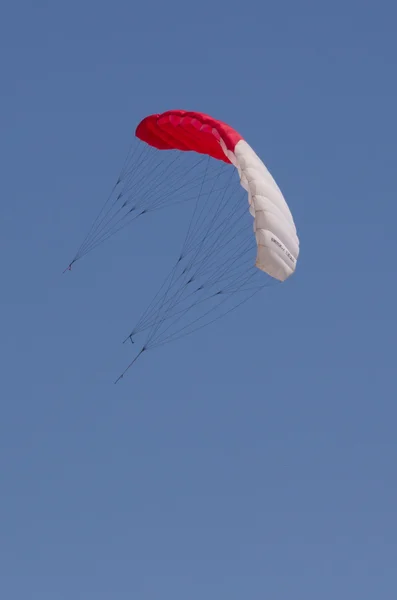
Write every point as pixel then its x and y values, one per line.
pixel 188 131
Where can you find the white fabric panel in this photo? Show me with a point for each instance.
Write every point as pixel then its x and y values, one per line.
pixel 275 231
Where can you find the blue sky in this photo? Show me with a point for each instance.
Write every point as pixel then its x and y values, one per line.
pixel 255 459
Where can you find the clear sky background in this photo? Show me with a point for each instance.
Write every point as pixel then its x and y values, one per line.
pixel 257 458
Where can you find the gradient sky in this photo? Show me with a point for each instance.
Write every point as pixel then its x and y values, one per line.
pixel 255 459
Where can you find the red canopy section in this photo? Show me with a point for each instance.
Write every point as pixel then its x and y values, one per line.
pixel 188 131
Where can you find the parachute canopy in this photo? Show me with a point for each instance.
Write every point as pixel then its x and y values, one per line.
pixel 274 228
